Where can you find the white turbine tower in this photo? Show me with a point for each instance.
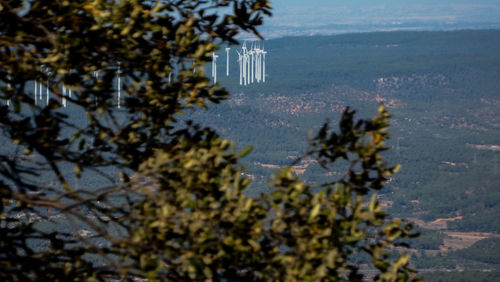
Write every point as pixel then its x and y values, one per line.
pixel 227 60
pixel 244 67
pixel 214 67
pixel 264 66
pixel 248 68
pixel 245 63
pixel 119 84
pixel 64 96
pixel 257 64
pixel 36 89
pixel 240 65
pixel 96 75
pixel 8 86
pixel 40 91
pixel 260 65
pixel 252 64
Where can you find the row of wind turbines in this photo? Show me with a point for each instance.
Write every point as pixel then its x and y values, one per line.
pixel 252 68
pixel 252 64
pixel 40 90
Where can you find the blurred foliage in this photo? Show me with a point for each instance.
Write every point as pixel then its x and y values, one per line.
pixel 179 209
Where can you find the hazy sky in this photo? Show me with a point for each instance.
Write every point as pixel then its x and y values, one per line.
pixel 305 16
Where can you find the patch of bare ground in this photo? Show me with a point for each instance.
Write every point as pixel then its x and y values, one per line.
pixel 432 252
pixel 461 240
pixel 492 102
pixel 297 169
pixel 460 123
pixel 455 164
pixel 438 224
pixel 250 176
pixel 268 165
pixel 301 168
pixel 454 240
pixel 84 233
pixel 297 106
pixel 389 102
pixel 485 147
pixel 386 204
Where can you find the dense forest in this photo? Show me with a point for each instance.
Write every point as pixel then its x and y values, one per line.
pixel 462 276
pixel 440 87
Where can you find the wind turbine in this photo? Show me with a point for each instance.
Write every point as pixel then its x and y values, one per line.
pixel 252 64
pixel 227 60
pixel 119 85
pixel 258 71
pixel 240 64
pixel 35 89
pixel 8 86
pixel 264 66
pixel 64 96
pixel 96 75
pixel 244 67
pixel 214 66
pixel 40 91
pixel 248 67
pixel 246 72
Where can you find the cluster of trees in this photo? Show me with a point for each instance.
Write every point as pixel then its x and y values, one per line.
pixel 143 191
pixel 427 240
pixel 461 276
pixel 481 255
pixel 486 251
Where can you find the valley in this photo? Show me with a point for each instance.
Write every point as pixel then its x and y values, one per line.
pixel 440 87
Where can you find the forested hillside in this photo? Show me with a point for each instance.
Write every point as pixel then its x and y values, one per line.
pixel 441 87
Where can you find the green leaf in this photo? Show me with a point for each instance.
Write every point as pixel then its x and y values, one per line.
pixel 244 152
